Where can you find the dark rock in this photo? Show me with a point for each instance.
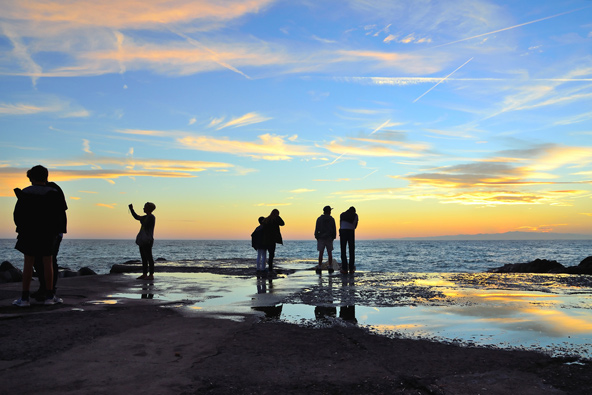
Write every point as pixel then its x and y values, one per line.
pixel 125 268
pixel 133 262
pixel 536 266
pixel 161 260
pixel 86 271
pixel 9 273
pixel 68 273
pixel 4 266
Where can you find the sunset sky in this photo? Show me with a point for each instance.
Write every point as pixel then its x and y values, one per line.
pixel 430 117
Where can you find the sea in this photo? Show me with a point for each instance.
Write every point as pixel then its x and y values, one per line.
pixel 417 256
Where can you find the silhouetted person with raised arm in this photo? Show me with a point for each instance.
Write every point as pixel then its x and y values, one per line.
pixel 39 268
pixel 325 233
pixel 37 217
pixel 348 222
pixel 145 239
pixel 272 235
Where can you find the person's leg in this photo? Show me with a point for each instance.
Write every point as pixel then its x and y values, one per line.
pixel 40 270
pixel 144 263
pixel 343 244
pixel 56 250
pixel 48 269
pixel 352 250
pixel 27 275
pixel 271 250
pixel 150 262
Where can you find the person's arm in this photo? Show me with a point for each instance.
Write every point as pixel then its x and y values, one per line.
pixel 136 216
pixel 334 229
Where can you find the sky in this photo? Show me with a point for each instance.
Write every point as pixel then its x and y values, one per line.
pixel 430 117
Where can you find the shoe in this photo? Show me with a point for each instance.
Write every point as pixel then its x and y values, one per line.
pixel 344 272
pixel 142 277
pixel 21 303
pixel 319 271
pixel 331 270
pixel 53 300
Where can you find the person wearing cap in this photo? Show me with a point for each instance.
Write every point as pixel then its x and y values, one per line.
pixel 348 222
pixel 325 233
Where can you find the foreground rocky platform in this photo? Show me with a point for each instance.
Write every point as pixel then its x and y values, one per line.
pixel 96 344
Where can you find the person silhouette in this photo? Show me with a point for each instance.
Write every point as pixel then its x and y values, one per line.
pixel 258 244
pixel 272 235
pixel 145 239
pixel 39 295
pixel 325 233
pixel 348 222
pixel 37 218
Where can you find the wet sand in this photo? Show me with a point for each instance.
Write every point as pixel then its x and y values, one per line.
pixel 189 333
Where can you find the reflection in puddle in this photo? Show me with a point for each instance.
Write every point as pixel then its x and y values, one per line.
pixel 542 312
pixel 104 302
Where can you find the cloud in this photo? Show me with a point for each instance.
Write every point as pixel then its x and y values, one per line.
pixel 411 63
pixel 127 14
pixel 112 205
pixel 92 168
pixel 44 104
pixel 379 146
pixel 302 190
pixel 247 119
pixel 269 147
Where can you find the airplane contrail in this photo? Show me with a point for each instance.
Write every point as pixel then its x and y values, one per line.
pixel 511 27
pixel 442 80
pixel 380 127
pixel 214 56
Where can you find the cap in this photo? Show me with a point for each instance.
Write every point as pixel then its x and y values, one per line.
pixel 327 208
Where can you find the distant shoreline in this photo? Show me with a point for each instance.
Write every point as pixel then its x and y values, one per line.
pixel 507 236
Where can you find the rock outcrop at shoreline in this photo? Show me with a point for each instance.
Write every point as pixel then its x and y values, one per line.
pixel 546 266
pixel 10 274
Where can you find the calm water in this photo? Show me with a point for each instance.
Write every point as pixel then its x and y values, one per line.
pixel 372 255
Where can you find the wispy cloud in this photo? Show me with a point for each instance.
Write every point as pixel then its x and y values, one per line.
pixel 247 119
pixel 268 147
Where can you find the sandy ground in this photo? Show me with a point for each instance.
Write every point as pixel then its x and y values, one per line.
pixel 95 344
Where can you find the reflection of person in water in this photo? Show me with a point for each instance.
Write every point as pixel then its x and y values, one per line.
pixel 327 310
pixel 347 311
pixel 273 311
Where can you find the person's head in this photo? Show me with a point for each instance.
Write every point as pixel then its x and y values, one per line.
pixel 274 213
pixel 327 210
pixel 149 207
pixel 261 219
pixel 352 209
pixel 37 174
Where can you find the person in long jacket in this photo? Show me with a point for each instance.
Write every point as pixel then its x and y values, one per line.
pixel 272 235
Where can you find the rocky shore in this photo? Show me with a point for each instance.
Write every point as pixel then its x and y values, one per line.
pixel 111 337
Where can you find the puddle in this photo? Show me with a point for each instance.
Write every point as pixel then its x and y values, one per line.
pixel 546 313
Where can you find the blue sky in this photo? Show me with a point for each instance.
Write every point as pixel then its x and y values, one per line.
pixel 430 117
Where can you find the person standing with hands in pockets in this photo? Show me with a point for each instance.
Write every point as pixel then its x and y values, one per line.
pixel 145 239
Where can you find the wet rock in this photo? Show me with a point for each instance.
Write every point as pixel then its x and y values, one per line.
pixel 161 260
pixel 585 267
pixel 86 271
pixel 124 268
pixel 536 266
pixel 133 262
pixel 9 273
